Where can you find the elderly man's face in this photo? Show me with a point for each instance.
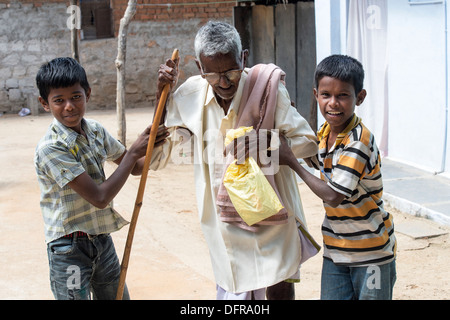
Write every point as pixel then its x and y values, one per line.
pixel 223 72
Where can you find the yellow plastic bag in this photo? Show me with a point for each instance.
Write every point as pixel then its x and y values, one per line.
pixel 251 194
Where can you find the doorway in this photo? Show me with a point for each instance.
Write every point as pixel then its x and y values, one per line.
pixel 283 34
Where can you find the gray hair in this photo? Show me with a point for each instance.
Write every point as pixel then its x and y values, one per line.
pixel 217 37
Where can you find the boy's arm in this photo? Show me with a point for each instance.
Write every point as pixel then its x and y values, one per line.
pixel 318 186
pixel 100 195
pixel 291 124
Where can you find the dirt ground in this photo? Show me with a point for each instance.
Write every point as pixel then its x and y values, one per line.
pixel 169 257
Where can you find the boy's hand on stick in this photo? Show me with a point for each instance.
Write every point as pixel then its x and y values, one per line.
pixel 139 147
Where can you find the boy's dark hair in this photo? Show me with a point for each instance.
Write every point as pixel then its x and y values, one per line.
pixel 60 73
pixel 341 67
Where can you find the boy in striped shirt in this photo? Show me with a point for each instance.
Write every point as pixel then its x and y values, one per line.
pixel 358 234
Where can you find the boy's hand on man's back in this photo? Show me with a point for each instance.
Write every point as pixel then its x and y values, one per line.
pixel 287 157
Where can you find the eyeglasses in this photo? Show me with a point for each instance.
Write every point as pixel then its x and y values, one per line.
pixel 214 77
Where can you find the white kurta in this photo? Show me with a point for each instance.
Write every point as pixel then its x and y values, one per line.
pixel 241 260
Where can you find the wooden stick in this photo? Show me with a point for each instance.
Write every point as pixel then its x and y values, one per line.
pixel 140 194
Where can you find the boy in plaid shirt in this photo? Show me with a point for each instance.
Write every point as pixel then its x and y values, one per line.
pixel 75 194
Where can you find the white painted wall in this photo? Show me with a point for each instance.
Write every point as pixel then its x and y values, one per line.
pixel 331 21
pixel 417 83
pixel 418 74
pixel 447 158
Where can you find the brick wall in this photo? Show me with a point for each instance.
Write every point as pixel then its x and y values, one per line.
pixel 169 10
pixel 33 3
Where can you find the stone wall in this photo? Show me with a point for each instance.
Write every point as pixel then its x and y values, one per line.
pixel 32 32
pixel 29 35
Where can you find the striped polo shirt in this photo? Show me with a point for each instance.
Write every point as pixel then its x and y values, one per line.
pixel 358 232
pixel 61 155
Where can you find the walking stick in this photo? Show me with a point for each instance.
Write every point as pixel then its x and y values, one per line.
pixel 140 194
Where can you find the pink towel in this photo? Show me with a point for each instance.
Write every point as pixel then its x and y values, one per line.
pixel 257 109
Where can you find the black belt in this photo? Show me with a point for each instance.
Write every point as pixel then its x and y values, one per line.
pixel 78 233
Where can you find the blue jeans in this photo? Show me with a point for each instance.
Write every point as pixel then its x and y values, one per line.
pixel 357 283
pixel 79 265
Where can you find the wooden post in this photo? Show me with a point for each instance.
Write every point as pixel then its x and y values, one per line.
pixel 120 65
pixel 74 36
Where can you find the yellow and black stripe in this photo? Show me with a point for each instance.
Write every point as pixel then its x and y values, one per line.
pixel 358 231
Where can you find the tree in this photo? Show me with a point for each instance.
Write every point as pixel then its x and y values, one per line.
pixel 120 65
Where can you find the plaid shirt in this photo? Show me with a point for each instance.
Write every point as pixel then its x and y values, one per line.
pixel 62 155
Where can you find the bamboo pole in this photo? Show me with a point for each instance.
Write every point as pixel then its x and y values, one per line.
pixel 140 194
